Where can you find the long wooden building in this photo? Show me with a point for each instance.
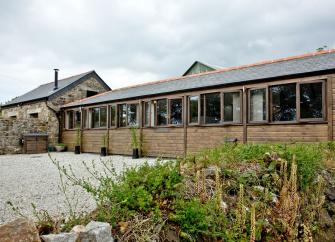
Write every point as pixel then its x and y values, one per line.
pixel 285 100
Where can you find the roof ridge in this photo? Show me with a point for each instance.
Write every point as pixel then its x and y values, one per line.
pixel 302 56
pixel 67 78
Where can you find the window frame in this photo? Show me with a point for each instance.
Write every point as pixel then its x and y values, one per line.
pixel 240 91
pixel 266 87
pixel 118 118
pixel 91 117
pixel 144 109
pixel 296 104
pixel 203 121
pixel 324 102
pixel 67 126
pixel 169 112
pixel 110 116
pixel 189 110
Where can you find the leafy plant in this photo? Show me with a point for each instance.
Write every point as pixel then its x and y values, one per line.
pixel 78 136
pixel 135 144
pixel 104 142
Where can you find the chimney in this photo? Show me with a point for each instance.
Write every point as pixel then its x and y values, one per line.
pixel 56 79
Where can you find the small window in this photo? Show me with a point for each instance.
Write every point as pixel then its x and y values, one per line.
pixel 257 105
pixel 148 112
pixel 33 115
pixel 99 117
pixel 283 102
pixel 193 109
pixel 132 110
pixel 232 107
pixel 213 108
pixel 85 119
pixel 70 120
pixel 311 101
pixel 162 112
pixel 91 93
pixel 122 115
pixel 77 119
pixel 176 111
pixel 113 115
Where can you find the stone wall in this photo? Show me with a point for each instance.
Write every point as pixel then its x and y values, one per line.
pixel 12 131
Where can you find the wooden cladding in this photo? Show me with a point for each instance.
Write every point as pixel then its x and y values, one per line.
pixel 176 137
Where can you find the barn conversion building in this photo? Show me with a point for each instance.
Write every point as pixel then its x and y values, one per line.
pixel 283 100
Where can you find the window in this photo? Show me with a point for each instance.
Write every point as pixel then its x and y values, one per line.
pixel 77 119
pixel 90 93
pixel 283 102
pixel 33 115
pixel 70 119
pixel 99 117
pixel 128 115
pixel 132 110
pixel 232 107
pixel 149 114
pixel 85 119
pixel 113 116
pixel 257 105
pixel 122 115
pixel 193 109
pixel 176 111
pixel 311 101
pixel 212 106
pixel 162 112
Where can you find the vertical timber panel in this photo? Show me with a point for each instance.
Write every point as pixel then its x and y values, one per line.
pixel 330 107
pixel 244 116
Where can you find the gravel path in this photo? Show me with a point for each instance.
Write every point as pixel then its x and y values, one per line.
pixel 26 179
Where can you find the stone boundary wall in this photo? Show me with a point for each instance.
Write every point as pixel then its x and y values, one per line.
pixel 12 131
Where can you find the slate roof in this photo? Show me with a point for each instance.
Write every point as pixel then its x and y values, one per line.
pixel 47 90
pixel 308 63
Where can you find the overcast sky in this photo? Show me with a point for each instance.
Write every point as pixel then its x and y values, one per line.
pixel 130 41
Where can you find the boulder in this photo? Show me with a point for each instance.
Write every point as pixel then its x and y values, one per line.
pixel 96 232
pixel 21 229
pixel 63 237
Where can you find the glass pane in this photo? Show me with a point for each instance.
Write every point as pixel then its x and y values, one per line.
pixel 122 115
pixel 113 112
pixel 77 119
pixel 213 104
pixel 284 102
pixel 85 120
pixel 258 105
pixel 132 114
pixel 194 107
pixel 95 118
pixel 70 118
pixel 103 117
pixel 232 107
pixel 176 109
pixel 147 113
pixel 311 100
pixel 162 112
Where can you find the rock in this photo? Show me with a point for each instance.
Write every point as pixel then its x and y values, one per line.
pixel 78 229
pixel 96 232
pixel 209 172
pixel 20 229
pixel 63 237
pixel 330 193
pixel 224 205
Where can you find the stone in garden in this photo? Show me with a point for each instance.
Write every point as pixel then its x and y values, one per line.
pixel 78 229
pixel 330 193
pixel 210 171
pixel 96 232
pixel 21 229
pixel 63 237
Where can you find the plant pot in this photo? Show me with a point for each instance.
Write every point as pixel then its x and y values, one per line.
pixel 59 148
pixel 77 149
pixel 136 154
pixel 103 151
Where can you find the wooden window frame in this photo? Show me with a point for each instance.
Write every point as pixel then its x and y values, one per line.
pixel 266 87
pixel 324 102
pixel 203 122
pixel 91 117
pixel 222 107
pixel 296 104
pixel 67 126
pixel 169 112
pixel 151 103
pixel 189 110
pixel 137 115
pixel 115 116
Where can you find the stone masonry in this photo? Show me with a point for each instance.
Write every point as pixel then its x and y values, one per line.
pixel 48 116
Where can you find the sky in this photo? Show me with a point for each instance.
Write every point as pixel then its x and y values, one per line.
pixel 129 41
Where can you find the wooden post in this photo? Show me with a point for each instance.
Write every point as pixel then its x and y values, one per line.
pixel 140 124
pixel 244 115
pixel 108 126
pixel 329 92
pixel 185 123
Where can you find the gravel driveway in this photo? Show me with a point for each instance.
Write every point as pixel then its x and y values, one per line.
pixel 26 179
